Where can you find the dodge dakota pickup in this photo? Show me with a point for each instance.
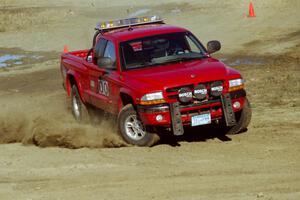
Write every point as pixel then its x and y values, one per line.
pixel 154 76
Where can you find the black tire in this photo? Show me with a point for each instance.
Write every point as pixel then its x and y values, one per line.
pixel 243 120
pixel 79 109
pixel 136 135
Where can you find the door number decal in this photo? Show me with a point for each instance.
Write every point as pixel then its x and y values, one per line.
pixel 103 87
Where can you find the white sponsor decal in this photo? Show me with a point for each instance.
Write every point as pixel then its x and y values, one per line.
pixel 200 91
pixel 186 94
pixel 218 88
pixel 92 84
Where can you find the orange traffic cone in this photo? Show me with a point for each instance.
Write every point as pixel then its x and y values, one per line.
pixel 66 49
pixel 251 10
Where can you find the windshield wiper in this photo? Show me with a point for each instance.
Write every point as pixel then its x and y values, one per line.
pixel 177 58
pixel 168 60
pixel 144 65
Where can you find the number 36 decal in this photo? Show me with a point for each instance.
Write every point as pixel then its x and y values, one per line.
pixel 103 87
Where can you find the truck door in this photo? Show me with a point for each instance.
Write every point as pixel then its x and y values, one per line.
pixel 101 76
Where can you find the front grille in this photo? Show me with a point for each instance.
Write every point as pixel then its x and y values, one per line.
pixel 175 89
pixel 172 93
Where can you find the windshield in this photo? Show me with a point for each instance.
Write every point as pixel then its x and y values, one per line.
pixel 160 50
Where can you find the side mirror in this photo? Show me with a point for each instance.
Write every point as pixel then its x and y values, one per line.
pixel 213 46
pixel 106 62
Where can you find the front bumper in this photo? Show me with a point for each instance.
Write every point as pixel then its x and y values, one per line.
pixel 163 115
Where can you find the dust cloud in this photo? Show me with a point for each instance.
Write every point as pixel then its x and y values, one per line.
pixel 43 131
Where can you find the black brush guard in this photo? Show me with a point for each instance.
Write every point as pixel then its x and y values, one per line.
pixel 229 116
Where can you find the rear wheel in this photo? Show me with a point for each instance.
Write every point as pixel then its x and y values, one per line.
pixel 243 119
pixel 132 129
pixel 79 109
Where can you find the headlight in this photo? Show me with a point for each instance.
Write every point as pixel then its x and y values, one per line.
pixel 236 84
pixel 152 98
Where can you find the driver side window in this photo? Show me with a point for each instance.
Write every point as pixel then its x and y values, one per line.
pixel 110 52
pixel 99 48
pixel 105 56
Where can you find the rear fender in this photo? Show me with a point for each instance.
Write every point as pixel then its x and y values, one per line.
pixel 76 78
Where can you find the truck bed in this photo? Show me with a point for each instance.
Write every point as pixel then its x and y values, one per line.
pixel 75 60
pixel 80 53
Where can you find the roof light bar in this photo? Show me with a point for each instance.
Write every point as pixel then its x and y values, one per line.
pixel 108 25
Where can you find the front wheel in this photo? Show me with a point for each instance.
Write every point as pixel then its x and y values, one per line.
pixel 132 129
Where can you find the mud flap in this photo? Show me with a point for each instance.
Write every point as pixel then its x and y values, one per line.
pixel 227 110
pixel 177 126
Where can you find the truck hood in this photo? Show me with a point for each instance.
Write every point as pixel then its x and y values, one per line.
pixel 177 74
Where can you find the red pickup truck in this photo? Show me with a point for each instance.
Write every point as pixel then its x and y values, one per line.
pixel 152 76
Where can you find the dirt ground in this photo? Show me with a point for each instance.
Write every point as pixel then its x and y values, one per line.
pixel 45 154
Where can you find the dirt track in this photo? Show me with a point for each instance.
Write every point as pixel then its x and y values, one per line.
pixel 262 163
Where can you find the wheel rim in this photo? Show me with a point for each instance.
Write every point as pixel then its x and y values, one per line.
pixel 76 105
pixel 134 128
